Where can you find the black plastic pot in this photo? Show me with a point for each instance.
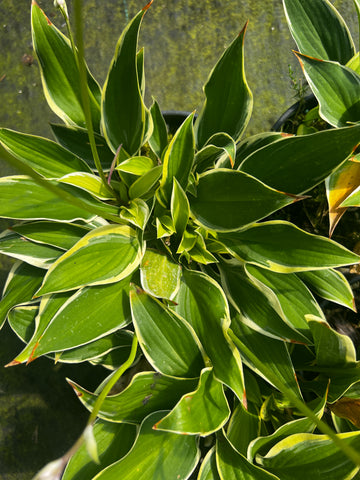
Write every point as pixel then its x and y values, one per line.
pixel 300 107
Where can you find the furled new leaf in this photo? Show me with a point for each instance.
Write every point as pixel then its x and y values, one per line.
pixel 228 103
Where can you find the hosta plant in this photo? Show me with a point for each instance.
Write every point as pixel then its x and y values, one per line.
pixel 331 65
pixel 153 255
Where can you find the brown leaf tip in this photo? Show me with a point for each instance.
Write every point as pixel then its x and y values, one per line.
pixel 144 9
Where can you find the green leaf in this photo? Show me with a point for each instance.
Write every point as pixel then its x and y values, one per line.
pixel 219 151
pixel 136 165
pixel 202 303
pixel 179 455
pixel 113 442
pixel 352 200
pixel 35 254
pixel 262 445
pixel 159 138
pixel 164 226
pixel 144 186
pixel 178 160
pixel 90 183
pixel 201 412
pixel 147 392
pixel 282 247
pixel 331 285
pixel 310 24
pixel 137 213
pixel 273 355
pixel 234 466
pixel 21 284
pixel 22 321
pixel 44 156
pixel 336 87
pixel 229 199
pixel 303 454
pixel 160 276
pixel 297 164
pixel 199 253
pixel 244 426
pixel 93 307
pixel 289 295
pixel 166 339
pixel 117 346
pixel 56 234
pixel 122 107
pixel 259 311
pixel 76 268
pixel 76 140
pixel 208 470
pixel 180 208
pixel 42 203
pixel 332 348
pixel 60 74
pixel 228 103
pixel 251 144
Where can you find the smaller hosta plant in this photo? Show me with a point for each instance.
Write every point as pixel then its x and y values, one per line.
pixel 144 250
pixel 331 65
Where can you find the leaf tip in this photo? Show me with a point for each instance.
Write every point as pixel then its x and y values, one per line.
pixel 12 363
pixel 147 6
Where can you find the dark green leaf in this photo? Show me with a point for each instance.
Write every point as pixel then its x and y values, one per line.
pixel 159 138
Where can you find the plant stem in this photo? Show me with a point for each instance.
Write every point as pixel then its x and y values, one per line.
pixel 80 56
pixel 347 449
pixel 105 391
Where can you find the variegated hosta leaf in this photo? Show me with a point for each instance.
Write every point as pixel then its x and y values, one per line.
pixel 35 254
pixel 336 88
pixel 232 465
pixel 304 453
pixel 201 412
pixel 60 74
pixel 136 166
pixel 208 469
pixel 99 310
pixel 282 247
pixel 104 255
pixel 251 144
pixel 262 445
pixel 178 160
pixel 228 200
pixel 202 303
pixel 159 275
pixel 147 392
pixel 137 212
pixel 22 282
pixel 122 106
pixel 159 138
pixel 180 208
pixel 179 455
pixel 113 442
pixel 90 183
pixel 167 341
pixel 331 285
pixel 310 24
pixel 22 321
pixel 296 164
pixel 221 111
pixel 56 234
pixel 332 348
pixel 272 354
pixel 260 312
pixel 42 155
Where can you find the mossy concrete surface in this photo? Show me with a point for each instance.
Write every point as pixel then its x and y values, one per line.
pixel 39 415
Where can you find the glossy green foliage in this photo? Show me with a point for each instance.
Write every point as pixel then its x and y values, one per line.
pixel 170 255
